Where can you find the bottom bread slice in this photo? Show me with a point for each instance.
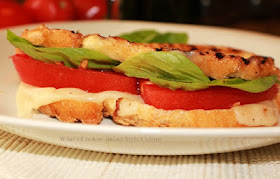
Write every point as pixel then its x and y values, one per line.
pixel 127 112
pixel 74 111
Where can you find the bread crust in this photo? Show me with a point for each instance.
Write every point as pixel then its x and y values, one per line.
pixel 46 37
pixel 74 111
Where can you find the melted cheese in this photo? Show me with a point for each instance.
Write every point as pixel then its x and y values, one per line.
pixel 30 98
pixel 265 113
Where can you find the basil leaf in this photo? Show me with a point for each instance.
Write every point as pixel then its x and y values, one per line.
pixel 142 36
pixel 71 57
pixel 148 36
pixel 77 55
pixel 253 86
pixel 171 38
pixel 171 66
pixel 175 71
pixel 41 56
pixel 173 85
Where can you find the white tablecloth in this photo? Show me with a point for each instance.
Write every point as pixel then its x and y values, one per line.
pixel 25 158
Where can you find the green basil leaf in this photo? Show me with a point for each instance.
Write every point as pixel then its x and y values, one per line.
pixel 175 71
pixel 41 56
pixel 253 86
pixel 71 57
pixel 142 36
pixel 77 55
pixel 171 38
pixel 173 85
pixel 14 38
pixel 148 36
pixel 171 66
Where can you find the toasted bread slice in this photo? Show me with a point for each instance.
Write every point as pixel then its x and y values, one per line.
pixel 218 63
pixel 215 61
pixel 133 113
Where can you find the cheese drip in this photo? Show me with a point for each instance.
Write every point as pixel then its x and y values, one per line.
pixel 265 113
pixel 30 98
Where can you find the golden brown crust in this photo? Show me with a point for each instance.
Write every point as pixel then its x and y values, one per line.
pixel 115 47
pixel 74 111
pixel 220 65
pixel 46 37
pixel 203 48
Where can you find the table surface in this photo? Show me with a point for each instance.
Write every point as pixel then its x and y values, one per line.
pixel 26 158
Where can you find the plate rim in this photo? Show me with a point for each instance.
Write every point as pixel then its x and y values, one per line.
pixel 131 130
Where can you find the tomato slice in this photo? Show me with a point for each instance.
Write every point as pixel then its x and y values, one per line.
pixel 210 98
pixel 42 74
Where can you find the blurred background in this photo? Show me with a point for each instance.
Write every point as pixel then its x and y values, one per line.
pixel 257 15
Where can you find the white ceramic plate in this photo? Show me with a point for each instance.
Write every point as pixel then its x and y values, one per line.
pixel 109 137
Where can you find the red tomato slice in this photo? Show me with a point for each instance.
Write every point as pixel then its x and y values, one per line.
pixel 42 74
pixel 210 98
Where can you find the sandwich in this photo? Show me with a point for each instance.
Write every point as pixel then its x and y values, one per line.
pixel 77 78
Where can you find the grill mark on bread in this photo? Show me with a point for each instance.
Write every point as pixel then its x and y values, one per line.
pixel 219 55
pixel 214 49
pixel 246 62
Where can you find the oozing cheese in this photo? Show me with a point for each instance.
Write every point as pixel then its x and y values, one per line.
pixel 265 113
pixel 30 98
